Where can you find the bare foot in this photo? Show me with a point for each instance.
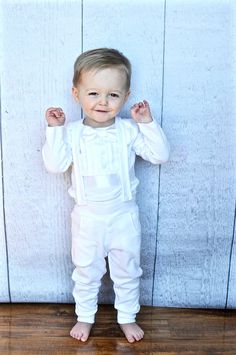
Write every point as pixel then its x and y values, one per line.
pixel 132 332
pixel 81 331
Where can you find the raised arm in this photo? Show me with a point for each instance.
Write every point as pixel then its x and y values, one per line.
pixel 151 143
pixel 57 154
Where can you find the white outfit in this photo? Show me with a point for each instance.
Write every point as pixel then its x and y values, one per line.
pixel 112 231
pixel 105 220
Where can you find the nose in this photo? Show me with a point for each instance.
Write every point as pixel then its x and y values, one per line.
pixel 103 100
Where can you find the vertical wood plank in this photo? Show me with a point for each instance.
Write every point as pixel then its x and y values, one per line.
pixel 231 301
pixel 4 290
pixel 198 185
pixel 136 29
pixel 4 287
pixel 40 42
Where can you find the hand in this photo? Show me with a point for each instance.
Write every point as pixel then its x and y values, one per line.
pixel 141 112
pixel 55 116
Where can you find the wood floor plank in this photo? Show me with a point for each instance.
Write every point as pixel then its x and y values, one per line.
pixel 32 329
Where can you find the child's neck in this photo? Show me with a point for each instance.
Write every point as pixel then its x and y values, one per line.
pixel 88 122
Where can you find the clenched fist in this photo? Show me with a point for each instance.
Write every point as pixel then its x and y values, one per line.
pixel 141 112
pixel 55 116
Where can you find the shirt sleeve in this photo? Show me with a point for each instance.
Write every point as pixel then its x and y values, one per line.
pixel 57 152
pixel 151 143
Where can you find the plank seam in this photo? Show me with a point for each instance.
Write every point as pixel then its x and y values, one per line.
pixel 230 259
pixel 163 63
pixel 159 177
pixel 82 26
pixel 82 38
pixel 3 209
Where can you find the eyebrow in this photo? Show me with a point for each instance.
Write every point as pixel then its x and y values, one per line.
pixel 93 89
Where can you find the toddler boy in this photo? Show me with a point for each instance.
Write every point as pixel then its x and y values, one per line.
pixel 101 149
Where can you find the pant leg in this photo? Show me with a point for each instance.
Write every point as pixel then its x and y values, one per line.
pixel 124 263
pixel 88 257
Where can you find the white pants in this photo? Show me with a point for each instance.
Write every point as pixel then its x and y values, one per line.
pixel 106 230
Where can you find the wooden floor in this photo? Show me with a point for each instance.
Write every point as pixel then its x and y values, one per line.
pixel 44 329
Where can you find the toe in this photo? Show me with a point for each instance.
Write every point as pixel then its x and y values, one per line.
pixel 75 335
pixel 84 338
pixel 140 336
pixel 130 339
pixel 72 334
pixel 78 336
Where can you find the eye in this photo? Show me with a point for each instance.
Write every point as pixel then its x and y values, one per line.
pixel 114 94
pixel 93 93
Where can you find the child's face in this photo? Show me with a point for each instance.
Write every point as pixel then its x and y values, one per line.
pixel 101 94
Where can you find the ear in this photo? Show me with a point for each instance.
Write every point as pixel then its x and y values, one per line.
pixel 127 96
pixel 75 93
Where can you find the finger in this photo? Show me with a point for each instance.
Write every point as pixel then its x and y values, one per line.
pixel 58 112
pixel 135 108
pixel 135 105
pixel 61 113
pixel 54 114
pixel 49 111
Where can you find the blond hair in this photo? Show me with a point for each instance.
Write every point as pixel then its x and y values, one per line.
pixel 101 58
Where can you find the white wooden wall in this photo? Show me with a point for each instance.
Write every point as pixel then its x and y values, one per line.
pixel 184 62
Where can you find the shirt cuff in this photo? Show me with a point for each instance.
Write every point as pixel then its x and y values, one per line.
pixel 57 131
pixel 150 126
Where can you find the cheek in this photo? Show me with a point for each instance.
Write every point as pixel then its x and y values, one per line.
pixel 116 106
pixel 88 102
pixel 120 104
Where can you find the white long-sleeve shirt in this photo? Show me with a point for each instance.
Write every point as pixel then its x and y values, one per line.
pixel 103 159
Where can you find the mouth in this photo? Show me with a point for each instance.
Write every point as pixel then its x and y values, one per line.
pixel 102 111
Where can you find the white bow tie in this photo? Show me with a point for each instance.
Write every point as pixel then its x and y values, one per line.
pixel 90 133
